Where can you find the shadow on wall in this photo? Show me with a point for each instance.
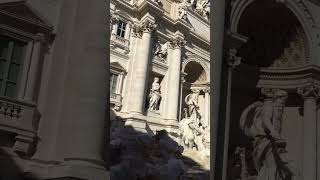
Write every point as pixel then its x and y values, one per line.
pixel 136 155
pixel 9 170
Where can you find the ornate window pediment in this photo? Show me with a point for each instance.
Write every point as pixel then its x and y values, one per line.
pixel 28 18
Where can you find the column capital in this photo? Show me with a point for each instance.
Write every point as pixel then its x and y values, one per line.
pixel 177 42
pixel 309 91
pixel 232 59
pixel 146 26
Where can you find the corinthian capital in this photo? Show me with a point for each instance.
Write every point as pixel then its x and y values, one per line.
pixel 232 59
pixel 148 26
pixel 137 30
pixel 309 91
pixel 177 42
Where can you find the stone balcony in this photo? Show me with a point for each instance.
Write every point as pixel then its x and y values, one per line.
pixel 119 42
pixel 20 119
pixel 116 101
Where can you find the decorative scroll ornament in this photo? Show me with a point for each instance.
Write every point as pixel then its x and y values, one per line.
pixel 233 60
pixel 309 91
pixel 178 42
pixel 146 26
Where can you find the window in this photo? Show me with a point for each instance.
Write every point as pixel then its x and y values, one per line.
pixel 113 83
pixel 11 54
pixel 121 29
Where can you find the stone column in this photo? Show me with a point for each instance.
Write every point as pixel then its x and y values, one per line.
pixel 310 95
pixel 217 42
pixel 232 61
pixel 141 65
pixel 207 105
pixel 181 98
pixel 174 71
pixel 34 68
pixel 72 129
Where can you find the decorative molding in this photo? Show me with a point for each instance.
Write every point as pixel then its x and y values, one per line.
pixel 309 91
pixel 177 42
pixel 232 59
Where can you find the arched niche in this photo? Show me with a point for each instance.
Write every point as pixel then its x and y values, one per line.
pixel 278 39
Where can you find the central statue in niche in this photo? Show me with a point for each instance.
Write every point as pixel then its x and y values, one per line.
pixel 262 122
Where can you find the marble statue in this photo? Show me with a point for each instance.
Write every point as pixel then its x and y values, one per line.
pixel 154 95
pixel 161 51
pixel 202 7
pixel 182 11
pixel 265 128
pixel 191 101
pixel 192 126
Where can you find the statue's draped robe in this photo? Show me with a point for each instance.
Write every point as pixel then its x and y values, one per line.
pixel 254 126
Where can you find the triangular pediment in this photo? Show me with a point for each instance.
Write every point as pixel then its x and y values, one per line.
pixel 117 66
pixel 23 10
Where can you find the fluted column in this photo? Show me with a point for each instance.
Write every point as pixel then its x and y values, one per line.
pixel 310 95
pixel 34 68
pixel 174 71
pixel 141 65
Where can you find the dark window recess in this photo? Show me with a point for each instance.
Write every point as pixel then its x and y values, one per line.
pixel 11 52
pixel 113 83
pixel 121 29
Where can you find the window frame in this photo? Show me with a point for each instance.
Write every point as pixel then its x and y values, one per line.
pixel 122 29
pixel 116 82
pixel 25 61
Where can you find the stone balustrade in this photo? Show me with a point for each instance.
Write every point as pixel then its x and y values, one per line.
pixel 21 119
pixel 120 42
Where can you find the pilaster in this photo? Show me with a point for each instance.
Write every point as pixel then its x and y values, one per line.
pixel 310 94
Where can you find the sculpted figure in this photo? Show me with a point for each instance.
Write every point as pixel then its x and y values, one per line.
pixel 265 128
pixel 182 11
pixel 161 51
pixel 192 126
pixel 155 95
pixel 192 104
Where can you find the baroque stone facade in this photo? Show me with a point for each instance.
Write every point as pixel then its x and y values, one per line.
pixel 162 48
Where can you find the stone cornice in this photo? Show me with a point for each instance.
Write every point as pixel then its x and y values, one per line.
pixel 156 11
pixel 289 79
